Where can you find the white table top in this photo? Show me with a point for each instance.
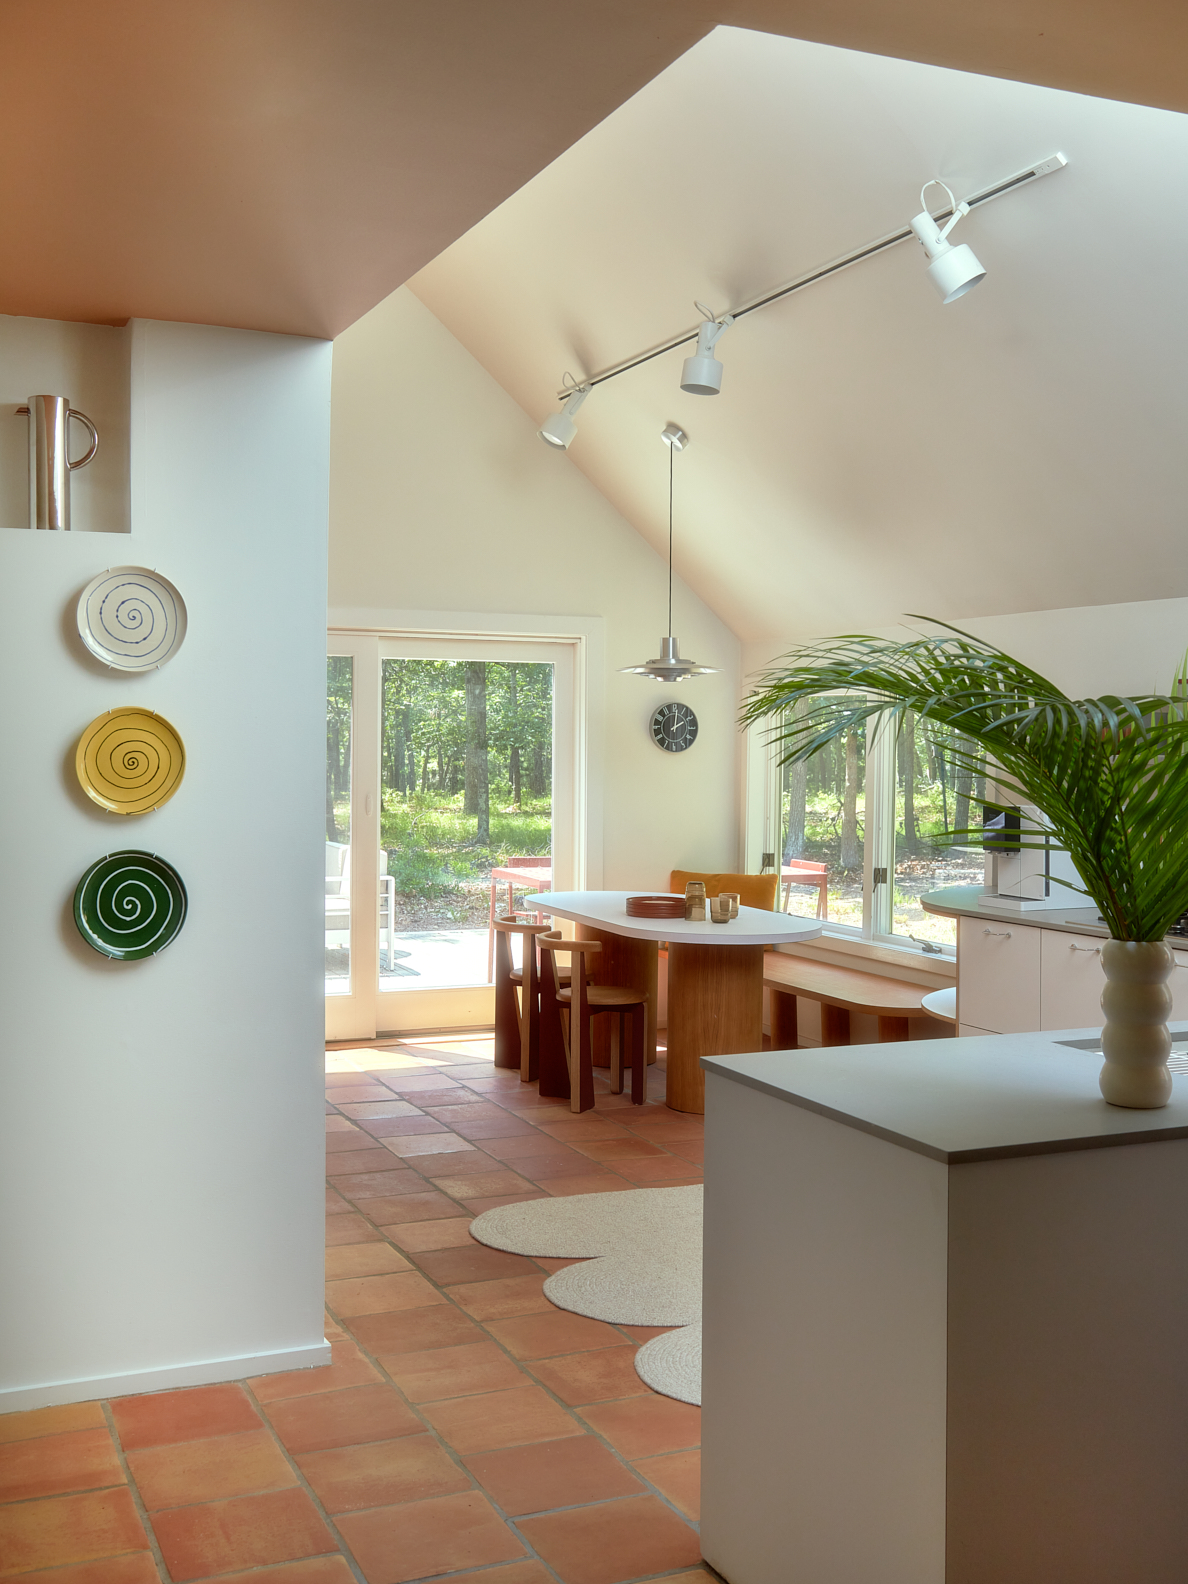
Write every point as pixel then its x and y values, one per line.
pixel 983 1097
pixel 607 910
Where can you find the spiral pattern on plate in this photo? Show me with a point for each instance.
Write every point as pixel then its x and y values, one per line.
pixel 129 761
pixel 131 619
pixel 130 904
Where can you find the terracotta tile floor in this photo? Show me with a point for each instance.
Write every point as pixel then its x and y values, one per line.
pixel 465 1428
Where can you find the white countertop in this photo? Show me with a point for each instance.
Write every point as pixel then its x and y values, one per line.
pixel 960 1100
pixel 607 910
pixel 972 902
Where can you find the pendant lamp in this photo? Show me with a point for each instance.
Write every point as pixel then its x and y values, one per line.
pixel 668 666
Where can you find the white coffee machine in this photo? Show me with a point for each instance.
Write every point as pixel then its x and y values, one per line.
pixel 1024 866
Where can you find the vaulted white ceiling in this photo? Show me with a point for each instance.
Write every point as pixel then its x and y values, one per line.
pixel 873 452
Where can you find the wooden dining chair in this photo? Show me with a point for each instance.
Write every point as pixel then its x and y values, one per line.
pixel 566 1015
pixel 757 891
pixel 517 994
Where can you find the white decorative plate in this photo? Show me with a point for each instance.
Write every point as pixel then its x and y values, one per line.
pixel 131 619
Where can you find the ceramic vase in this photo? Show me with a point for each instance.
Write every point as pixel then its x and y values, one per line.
pixel 1135 1040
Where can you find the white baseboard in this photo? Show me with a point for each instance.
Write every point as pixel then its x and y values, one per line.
pixel 207 1372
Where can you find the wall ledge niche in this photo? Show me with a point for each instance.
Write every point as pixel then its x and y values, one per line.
pixel 91 364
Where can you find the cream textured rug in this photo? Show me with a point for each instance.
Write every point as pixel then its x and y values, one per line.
pixel 642 1251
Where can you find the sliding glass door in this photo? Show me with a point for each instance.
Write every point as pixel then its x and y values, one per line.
pixel 451 788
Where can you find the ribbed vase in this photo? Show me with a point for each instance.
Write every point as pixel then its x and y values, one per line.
pixel 1135 1040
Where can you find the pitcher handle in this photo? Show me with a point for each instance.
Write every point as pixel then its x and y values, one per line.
pixel 82 461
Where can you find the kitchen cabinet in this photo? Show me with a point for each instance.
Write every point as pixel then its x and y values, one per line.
pixel 998 975
pixel 1014 978
pixel 1071 980
pixel 1023 974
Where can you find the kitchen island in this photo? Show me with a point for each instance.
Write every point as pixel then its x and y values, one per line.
pixel 946 1296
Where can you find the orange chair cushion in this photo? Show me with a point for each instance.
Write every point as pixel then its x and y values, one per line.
pixel 757 891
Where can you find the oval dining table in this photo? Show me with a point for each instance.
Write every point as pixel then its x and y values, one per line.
pixel 715 975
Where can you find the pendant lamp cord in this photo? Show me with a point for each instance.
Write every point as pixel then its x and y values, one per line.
pixel 671 451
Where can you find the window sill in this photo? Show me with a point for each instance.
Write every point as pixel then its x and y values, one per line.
pixel 902 962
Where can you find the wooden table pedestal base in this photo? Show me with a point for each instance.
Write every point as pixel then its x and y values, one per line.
pixel 715 1008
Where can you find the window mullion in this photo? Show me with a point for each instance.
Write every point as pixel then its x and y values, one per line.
pixel 879 872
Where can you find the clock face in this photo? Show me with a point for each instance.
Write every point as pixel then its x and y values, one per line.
pixel 674 727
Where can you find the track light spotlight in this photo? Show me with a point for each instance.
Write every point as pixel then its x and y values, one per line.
pixel 702 373
pixel 559 428
pixel 953 270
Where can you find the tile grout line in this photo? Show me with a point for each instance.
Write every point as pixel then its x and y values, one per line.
pixel 454 1456
pixel 567 1408
pixel 138 1500
pixel 344 1550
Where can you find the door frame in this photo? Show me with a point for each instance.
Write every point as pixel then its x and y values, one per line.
pixel 575 645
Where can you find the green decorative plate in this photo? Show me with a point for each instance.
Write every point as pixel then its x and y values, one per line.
pixel 130 904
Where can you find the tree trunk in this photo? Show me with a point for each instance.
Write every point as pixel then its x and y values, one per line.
pixel 851 852
pixel 425 772
pixel 963 787
pixel 907 770
pixel 477 796
pixel 331 824
pixel 536 778
pixel 796 782
pixel 514 777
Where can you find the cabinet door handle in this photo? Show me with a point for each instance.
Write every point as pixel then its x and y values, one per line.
pixel 1005 933
pixel 1094 949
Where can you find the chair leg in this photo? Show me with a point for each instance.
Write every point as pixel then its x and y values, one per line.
pixel 639 1055
pixel 616 1053
pixel 581 1066
pixel 553 1054
pixel 507 1012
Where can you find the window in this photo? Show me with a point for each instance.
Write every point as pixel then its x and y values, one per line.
pixel 858 830
pixel 466 782
pixel 933 797
pixel 450 759
pixel 822 832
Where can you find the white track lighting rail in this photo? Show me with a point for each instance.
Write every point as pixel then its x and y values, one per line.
pixel 998 189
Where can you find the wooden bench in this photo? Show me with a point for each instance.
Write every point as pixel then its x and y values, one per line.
pixel 840 991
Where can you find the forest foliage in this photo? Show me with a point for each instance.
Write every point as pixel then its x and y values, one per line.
pixel 465 766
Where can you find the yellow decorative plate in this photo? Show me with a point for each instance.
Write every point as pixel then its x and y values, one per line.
pixel 130 761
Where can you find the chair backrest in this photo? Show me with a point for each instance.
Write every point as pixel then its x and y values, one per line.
pixel 757 891
pixel 338 868
pixel 343 887
pixel 528 861
pixel 803 864
pixel 553 941
pixel 520 924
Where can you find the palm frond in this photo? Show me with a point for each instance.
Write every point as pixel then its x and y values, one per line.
pixel 1109 774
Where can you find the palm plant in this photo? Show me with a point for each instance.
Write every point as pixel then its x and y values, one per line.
pixel 1110 775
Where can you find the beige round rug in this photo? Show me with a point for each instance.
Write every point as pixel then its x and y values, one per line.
pixel 642 1254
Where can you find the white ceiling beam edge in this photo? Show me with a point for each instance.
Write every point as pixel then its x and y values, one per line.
pixel 984 195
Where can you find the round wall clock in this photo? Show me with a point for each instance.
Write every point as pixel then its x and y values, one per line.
pixel 674 727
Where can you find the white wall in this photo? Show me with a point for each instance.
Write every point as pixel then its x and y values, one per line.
pixel 1087 650
pixel 160 1121
pixel 443 498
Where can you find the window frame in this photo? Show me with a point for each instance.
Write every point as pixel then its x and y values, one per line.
pixel 763 815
